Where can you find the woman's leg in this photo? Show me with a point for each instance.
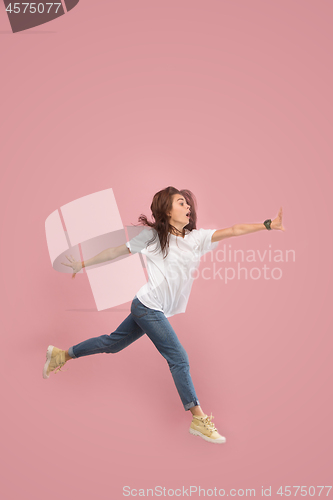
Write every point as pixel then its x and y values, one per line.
pixel 197 410
pixel 159 330
pixel 126 333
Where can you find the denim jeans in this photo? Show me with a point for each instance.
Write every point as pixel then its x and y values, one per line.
pixel 156 325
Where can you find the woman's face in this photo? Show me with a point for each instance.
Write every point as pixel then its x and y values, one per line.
pixel 180 208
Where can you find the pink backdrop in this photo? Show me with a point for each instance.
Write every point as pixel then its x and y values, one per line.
pixel 233 101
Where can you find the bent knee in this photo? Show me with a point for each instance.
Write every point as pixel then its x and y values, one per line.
pixel 180 361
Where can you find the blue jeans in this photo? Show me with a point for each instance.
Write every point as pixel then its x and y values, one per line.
pixel 156 325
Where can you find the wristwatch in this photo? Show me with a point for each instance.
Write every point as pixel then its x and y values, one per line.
pixel 267 223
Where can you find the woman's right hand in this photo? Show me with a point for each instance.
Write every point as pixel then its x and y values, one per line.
pixel 75 265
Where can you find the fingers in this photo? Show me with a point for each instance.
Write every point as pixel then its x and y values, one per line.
pixel 280 214
pixel 73 260
pixel 70 265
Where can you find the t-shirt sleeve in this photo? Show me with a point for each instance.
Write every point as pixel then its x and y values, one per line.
pixel 205 239
pixel 139 242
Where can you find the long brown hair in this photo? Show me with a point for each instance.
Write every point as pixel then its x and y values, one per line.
pixel 161 204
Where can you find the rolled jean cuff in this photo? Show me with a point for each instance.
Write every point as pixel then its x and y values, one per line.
pixel 188 405
pixel 71 352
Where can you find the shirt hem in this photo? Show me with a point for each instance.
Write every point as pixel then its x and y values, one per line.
pixel 149 307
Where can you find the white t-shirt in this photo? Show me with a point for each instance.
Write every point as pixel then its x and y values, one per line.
pixel 170 279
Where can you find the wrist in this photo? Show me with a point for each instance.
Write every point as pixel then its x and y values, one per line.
pixel 82 264
pixel 267 223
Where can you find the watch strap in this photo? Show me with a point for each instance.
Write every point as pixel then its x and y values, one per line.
pixel 267 223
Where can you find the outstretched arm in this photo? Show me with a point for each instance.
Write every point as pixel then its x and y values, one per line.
pixel 104 256
pixel 239 229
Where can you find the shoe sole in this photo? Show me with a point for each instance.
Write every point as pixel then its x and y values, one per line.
pixel 48 359
pixel 198 433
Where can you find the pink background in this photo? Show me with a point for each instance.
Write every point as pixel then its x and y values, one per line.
pixel 232 100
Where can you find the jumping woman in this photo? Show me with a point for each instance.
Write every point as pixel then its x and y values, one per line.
pixel 173 248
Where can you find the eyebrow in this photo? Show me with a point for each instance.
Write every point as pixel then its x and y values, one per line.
pixel 181 199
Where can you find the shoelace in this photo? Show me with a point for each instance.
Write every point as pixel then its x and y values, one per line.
pixel 58 369
pixel 208 422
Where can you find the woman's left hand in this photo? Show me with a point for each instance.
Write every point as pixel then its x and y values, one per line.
pixel 277 222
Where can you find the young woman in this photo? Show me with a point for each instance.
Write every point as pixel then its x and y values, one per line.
pixel 173 248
